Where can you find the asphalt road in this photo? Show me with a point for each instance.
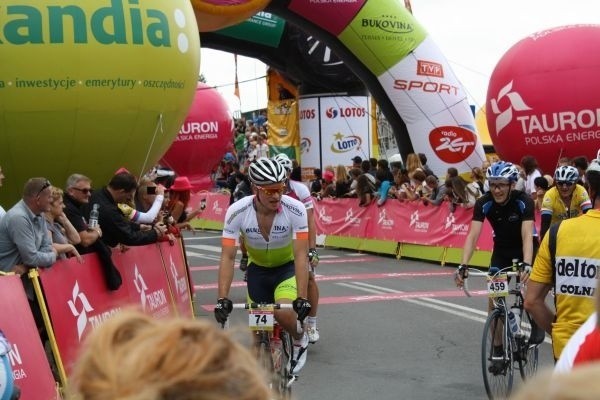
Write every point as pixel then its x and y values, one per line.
pixel 390 329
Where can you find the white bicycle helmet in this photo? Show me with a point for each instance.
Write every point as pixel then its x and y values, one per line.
pixel 502 170
pixel 284 160
pixel 566 173
pixel 265 171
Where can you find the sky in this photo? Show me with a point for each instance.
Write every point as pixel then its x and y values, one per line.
pixel 472 34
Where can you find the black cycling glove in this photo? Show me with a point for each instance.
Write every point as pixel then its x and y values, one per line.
pixel 223 309
pixel 302 308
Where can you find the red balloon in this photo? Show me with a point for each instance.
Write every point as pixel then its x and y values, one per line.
pixel 543 98
pixel 204 138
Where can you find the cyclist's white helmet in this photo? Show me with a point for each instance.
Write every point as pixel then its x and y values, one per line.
pixel 502 170
pixel 566 173
pixel 284 160
pixel 266 172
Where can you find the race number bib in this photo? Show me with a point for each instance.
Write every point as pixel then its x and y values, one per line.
pixel 261 319
pixel 497 285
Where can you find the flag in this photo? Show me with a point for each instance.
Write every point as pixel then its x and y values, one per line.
pixel 236 89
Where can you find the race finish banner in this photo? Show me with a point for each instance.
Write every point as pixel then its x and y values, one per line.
pixel 30 368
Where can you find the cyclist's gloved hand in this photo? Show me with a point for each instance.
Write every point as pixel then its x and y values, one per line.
pixel 462 273
pixel 223 309
pixel 313 257
pixel 525 271
pixel 302 308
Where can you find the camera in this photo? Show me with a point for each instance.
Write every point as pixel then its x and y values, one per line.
pixel 202 204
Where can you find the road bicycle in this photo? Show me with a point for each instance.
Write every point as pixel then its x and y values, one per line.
pixel 501 346
pixel 273 344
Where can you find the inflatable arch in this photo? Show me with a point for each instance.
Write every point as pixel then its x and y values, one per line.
pixel 391 54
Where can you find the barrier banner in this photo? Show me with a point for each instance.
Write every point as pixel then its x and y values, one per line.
pixel 78 302
pixel 216 205
pixel 342 217
pixel 28 361
pixel 145 280
pixel 174 263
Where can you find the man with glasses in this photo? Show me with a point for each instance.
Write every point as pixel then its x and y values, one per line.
pixel 24 239
pixel 274 228
pixel 511 214
pixel 77 198
pixel 567 199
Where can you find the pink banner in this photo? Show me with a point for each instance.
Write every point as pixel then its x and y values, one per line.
pixel 177 276
pixel 216 205
pixel 78 301
pixel 342 217
pixel 28 361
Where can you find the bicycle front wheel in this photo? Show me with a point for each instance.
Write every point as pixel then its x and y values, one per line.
pixel 496 357
pixel 528 353
pixel 283 373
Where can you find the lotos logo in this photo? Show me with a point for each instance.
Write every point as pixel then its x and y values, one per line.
pixel 452 144
pixel 310 113
pixel 515 102
pixel 305 144
pixel 331 112
pixel 346 112
pixel 344 144
pixel 116 23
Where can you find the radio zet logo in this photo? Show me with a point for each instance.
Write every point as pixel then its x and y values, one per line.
pixel 452 144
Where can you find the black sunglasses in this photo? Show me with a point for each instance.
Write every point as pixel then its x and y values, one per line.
pixel 84 190
pixel 45 186
pixel 564 183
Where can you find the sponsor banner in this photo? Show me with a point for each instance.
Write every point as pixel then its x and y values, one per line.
pixel 330 15
pixel 310 152
pixel 216 205
pixel 78 302
pixel 384 28
pixel 145 280
pixel 282 111
pixel 263 28
pixel 342 217
pixel 177 275
pixel 345 132
pixel 30 368
pixel 434 106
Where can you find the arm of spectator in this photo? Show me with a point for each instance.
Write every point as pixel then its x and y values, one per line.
pixel 149 216
pixel 123 231
pixel 67 249
pixel 89 236
pixel 22 234
pixel 177 211
pixel 70 231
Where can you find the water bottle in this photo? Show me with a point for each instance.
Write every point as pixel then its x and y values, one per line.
pixel 513 324
pixel 94 214
pixel 517 313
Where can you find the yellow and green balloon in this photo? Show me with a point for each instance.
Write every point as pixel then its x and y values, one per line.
pixel 90 86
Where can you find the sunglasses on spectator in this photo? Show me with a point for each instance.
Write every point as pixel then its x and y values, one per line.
pixel 564 183
pixel 84 190
pixel 45 186
pixel 272 191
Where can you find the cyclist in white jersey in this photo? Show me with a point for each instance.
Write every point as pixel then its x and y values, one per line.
pixel 274 229
pixel 299 191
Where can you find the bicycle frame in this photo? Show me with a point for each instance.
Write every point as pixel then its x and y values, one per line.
pixel 273 344
pixel 498 370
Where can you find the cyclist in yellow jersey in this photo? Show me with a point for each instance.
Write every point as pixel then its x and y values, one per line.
pixel 574 273
pixel 274 229
pixel 566 199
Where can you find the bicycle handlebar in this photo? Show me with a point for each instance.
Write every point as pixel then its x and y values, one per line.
pixel 257 306
pixel 475 272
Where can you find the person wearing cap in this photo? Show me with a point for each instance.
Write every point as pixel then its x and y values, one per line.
pixel 356 162
pixel 567 261
pixel 179 199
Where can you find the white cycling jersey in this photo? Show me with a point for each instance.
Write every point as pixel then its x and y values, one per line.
pixel 298 190
pixel 289 223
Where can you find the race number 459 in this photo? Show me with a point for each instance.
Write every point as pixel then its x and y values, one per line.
pixel 497 285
